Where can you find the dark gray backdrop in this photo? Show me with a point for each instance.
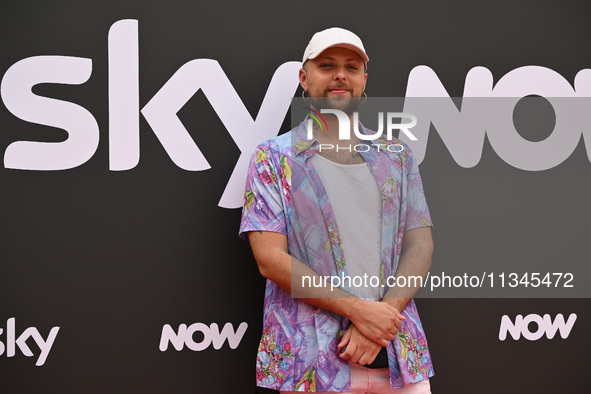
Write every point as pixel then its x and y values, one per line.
pixel 110 257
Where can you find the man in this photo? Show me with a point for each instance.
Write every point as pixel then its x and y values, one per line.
pixel 320 213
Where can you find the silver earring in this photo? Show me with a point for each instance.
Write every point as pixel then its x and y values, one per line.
pixel 304 97
pixel 365 95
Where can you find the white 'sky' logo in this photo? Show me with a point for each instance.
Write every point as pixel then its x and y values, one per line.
pixel 124 111
pixel 12 342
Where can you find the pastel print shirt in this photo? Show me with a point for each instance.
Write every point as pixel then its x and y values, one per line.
pixel 284 194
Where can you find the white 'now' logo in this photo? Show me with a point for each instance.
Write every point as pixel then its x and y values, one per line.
pixel 545 325
pixel 184 336
pixel 12 341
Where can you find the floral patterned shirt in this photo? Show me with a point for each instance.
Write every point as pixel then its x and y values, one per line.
pixel 284 194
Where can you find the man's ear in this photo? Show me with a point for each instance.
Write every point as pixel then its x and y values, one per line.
pixel 303 79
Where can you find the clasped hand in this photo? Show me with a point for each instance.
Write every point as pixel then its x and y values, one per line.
pixel 370 330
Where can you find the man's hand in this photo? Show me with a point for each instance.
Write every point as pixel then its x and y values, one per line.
pixel 378 321
pixel 360 349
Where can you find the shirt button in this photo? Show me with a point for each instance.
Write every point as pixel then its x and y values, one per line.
pixel 387 222
pixel 387 252
pixel 374 168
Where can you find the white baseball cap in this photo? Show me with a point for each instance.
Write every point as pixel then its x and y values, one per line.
pixel 334 37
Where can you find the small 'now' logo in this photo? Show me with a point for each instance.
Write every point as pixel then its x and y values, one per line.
pixel 211 334
pixel 545 325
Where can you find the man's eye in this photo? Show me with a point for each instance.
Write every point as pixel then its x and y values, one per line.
pixel 325 65
pixel 353 68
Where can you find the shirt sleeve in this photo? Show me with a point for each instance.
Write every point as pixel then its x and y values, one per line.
pixel 264 206
pixel 417 211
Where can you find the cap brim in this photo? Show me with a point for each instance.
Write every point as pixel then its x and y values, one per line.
pixel 345 45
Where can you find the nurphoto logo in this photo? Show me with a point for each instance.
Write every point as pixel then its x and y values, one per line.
pixel 387 123
pixel 345 124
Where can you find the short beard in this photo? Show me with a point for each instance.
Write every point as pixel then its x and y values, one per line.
pixel 347 105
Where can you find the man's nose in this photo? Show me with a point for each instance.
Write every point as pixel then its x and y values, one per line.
pixel 340 74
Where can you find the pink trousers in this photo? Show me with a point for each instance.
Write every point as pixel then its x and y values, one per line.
pixel 376 381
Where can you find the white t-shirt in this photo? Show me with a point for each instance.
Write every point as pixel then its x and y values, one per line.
pixel 355 198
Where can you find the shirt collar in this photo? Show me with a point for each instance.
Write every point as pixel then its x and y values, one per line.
pixel 300 143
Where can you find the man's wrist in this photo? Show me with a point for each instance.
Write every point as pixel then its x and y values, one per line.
pixel 353 308
pixel 398 303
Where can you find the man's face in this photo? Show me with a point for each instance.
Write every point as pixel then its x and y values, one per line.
pixel 337 73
